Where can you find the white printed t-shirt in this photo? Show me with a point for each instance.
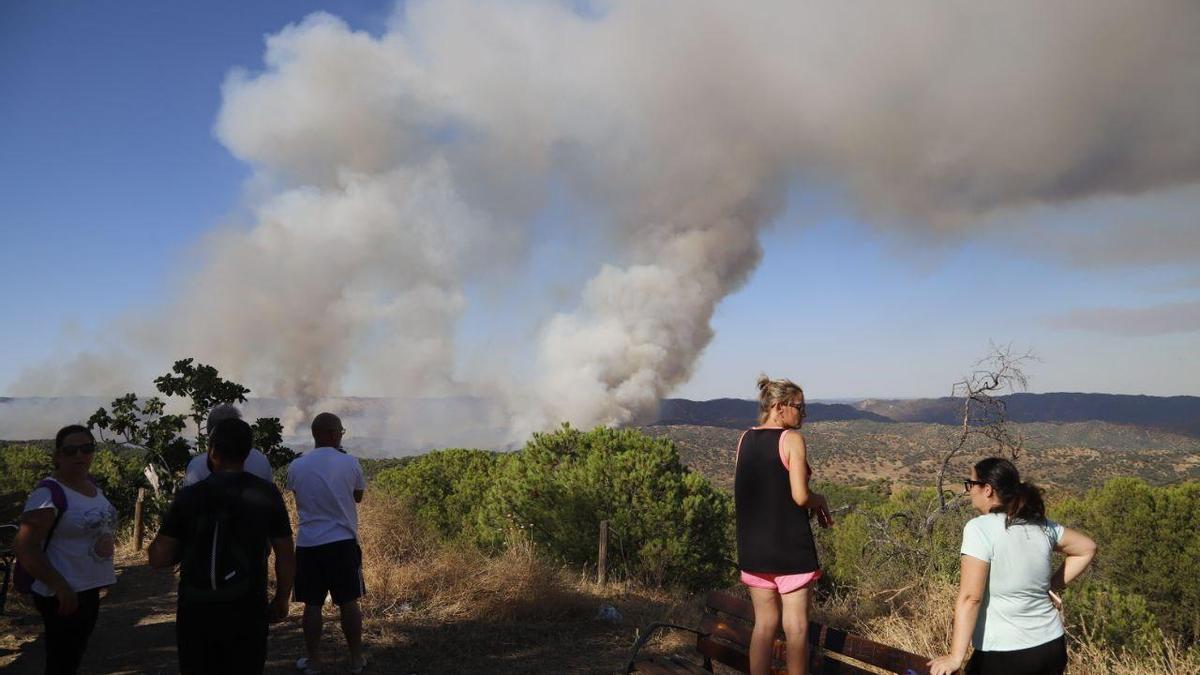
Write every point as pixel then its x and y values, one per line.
pixel 81 545
pixel 1016 612
pixel 324 480
pixel 256 463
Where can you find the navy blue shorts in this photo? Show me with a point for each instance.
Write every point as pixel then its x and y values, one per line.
pixel 329 569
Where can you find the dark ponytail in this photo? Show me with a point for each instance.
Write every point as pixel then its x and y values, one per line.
pixel 1019 502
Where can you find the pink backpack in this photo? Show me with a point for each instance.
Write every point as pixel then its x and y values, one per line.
pixel 22 579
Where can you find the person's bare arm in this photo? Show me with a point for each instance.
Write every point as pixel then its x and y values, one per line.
pixel 29 543
pixel 164 551
pixel 973 581
pixel 1079 549
pixel 285 576
pixel 797 453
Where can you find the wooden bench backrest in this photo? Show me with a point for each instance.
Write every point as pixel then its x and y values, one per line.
pixel 728 622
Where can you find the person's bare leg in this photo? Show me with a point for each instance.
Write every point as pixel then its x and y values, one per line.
pixel 312 634
pixel 795 628
pixel 766 626
pixel 352 629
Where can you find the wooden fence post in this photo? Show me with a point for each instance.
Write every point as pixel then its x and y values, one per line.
pixel 139 527
pixel 602 559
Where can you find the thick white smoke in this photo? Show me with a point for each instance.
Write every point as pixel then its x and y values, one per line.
pixel 402 168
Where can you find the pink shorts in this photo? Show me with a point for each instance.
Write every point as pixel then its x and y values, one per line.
pixel 783 583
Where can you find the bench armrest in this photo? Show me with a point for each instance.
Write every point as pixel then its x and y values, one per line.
pixel 648 632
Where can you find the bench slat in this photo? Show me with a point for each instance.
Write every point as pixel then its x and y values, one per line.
pixel 728 624
pixel 718 627
pixel 663 666
pixel 821 664
pixel 689 667
pixel 723 654
pixel 867 651
pixel 724 602
pixel 832 639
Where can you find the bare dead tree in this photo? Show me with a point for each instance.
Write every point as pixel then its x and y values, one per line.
pixel 981 412
pixel 981 421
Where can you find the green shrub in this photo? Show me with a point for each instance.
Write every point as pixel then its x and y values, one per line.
pixel 1148 541
pixel 117 471
pixel 372 467
pixel 666 523
pixel 119 474
pixel 444 489
pixel 845 548
pixel 1103 614
pixel 22 466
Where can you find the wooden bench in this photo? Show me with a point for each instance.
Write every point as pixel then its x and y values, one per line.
pixel 724 637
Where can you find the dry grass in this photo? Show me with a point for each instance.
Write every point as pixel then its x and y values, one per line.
pixel 920 622
pixel 407 571
pixel 433 607
pixel 1086 658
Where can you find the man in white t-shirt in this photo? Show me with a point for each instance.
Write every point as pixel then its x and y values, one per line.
pixel 201 467
pixel 328 484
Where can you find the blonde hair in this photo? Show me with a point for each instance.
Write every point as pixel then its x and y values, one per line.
pixel 771 392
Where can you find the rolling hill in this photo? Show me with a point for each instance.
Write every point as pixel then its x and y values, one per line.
pixel 1072 455
pixel 1178 414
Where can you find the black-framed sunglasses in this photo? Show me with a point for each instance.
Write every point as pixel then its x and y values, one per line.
pixel 798 406
pixel 967 483
pixel 70 450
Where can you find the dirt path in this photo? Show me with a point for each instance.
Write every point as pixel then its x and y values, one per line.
pixel 135 632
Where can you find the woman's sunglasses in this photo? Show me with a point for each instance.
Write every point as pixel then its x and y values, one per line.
pixel 967 483
pixel 70 450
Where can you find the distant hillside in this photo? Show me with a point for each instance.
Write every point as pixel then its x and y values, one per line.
pixel 1173 413
pixel 1074 455
pixel 1179 414
pixel 736 413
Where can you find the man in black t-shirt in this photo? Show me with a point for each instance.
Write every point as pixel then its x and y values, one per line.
pixel 220 531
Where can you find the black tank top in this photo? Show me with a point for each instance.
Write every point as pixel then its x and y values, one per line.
pixel 773 534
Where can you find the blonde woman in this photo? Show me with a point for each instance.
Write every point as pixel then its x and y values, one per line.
pixel 776 552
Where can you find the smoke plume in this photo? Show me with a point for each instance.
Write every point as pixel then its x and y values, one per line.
pixel 394 171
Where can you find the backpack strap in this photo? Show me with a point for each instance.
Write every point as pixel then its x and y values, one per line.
pixel 59 497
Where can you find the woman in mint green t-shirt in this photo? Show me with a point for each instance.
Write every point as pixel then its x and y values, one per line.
pixel 1006 601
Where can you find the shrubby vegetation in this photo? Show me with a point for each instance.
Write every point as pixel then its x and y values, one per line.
pixel 1149 559
pixel 1143 585
pixel 444 489
pixel 666 522
pixel 119 474
pixel 887 542
pixel 669 525
pixel 117 471
pixel 22 466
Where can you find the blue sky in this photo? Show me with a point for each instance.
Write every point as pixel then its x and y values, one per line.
pixel 110 176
